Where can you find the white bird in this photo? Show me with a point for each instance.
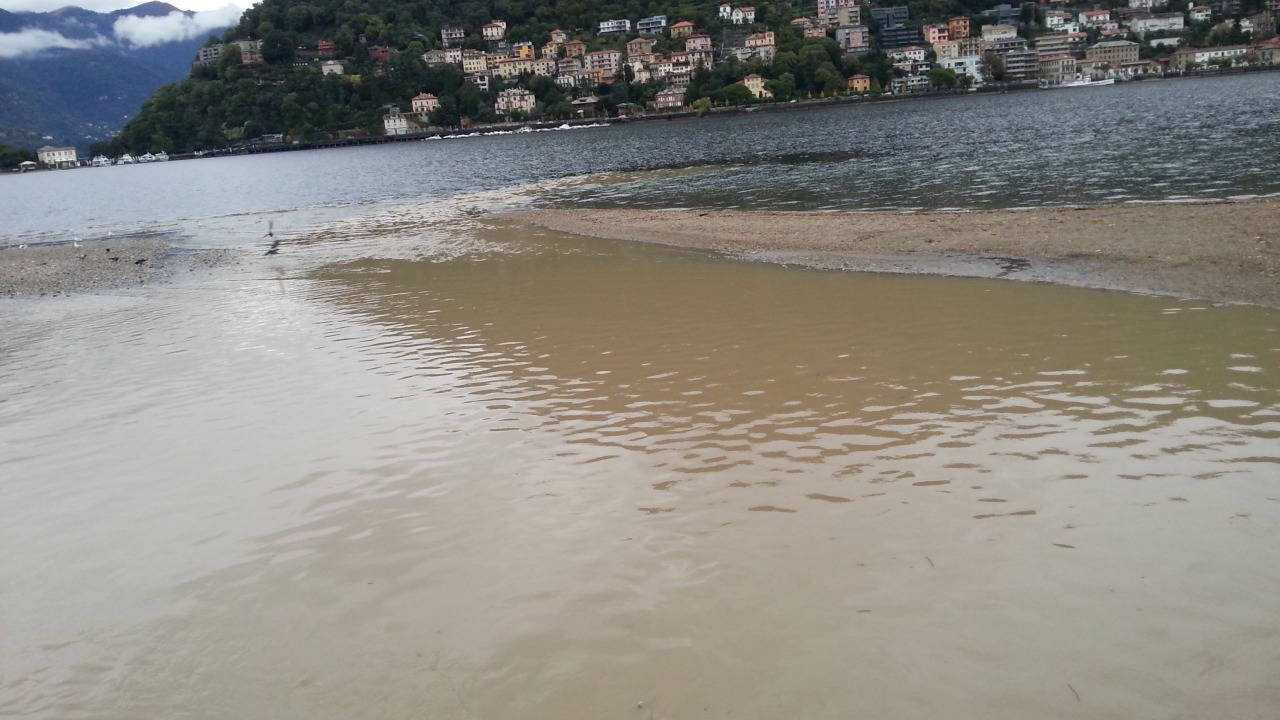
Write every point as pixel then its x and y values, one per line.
pixel 76 242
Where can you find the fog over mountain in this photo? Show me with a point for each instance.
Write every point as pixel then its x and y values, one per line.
pixel 75 76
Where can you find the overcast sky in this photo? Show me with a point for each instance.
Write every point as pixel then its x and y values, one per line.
pixel 108 5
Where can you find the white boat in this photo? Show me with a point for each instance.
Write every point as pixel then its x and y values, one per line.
pixel 162 156
pixel 1080 82
pixel 147 158
pixel 101 161
pixel 125 159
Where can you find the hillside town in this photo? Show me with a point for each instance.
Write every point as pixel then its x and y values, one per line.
pixel 1050 43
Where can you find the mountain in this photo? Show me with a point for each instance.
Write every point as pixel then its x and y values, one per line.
pixel 75 76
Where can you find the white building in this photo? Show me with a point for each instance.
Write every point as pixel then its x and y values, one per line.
pixel 656 25
pixel 451 36
pixel 424 104
pixel 615 26
pixel 494 31
pixel 1163 22
pixel 60 157
pixel 970 65
pixel 394 123
pixel 332 67
pixel 513 100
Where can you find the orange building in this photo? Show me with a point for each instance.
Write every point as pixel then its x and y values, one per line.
pixel 957 27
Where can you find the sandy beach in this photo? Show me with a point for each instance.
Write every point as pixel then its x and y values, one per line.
pixel 95 266
pixel 1220 251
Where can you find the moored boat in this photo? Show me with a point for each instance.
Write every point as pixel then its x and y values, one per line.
pixel 101 161
pixel 125 159
pixel 148 157
pixel 162 156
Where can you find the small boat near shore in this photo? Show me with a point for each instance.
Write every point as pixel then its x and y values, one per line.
pixel 162 156
pixel 125 159
pixel 101 161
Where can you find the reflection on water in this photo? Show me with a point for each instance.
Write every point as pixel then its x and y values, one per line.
pixel 538 477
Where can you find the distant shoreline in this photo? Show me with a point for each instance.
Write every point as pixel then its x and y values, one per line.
pixel 1227 251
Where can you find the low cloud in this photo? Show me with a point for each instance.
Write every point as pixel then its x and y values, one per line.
pixel 174 27
pixel 31 41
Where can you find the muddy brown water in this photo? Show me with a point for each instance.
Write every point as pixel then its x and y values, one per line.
pixel 548 477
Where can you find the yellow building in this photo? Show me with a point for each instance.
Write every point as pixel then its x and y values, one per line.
pixel 755 84
pixel 523 50
pixel 860 83
pixel 958 27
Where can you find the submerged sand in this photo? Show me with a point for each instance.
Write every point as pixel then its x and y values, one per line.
pixel 95 266
pixel 1219 251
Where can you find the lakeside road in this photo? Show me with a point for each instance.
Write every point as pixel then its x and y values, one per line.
pixel 1225 251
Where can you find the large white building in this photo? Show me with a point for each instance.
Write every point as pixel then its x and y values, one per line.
pixel 615 26
pixel 393 123
pixel 60 157
pixel 514 99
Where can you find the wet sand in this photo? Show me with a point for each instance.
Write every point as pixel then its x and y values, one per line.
pixel 95 266
pixel 1220 251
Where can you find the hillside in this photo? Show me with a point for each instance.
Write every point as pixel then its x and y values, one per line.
pixel 74 76
pixel 337 68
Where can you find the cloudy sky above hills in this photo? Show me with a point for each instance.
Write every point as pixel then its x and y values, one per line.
pixel 129 31
pixel 109 5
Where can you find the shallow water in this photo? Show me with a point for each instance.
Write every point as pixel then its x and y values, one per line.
pixel 1207 138
pixel 439 466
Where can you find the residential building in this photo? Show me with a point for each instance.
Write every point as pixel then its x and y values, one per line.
pixel 474 61
pixel 682 29
pixel 1143 4
pixel 1020 65
pixel 697 42
pixel 326 48
pixel 494 31
pixel 1143 25
pixel 433 57
pixel 453 56
pixel 640 46
pixel 1113 52
pixel 859 83
pixel 1005 46
pixel 890 16
pixel 849 15
pixel 524 50
pixel 511 68
pixel 1095 18
pixel 607 61
pixel 1172 42
pixel 568 66
pixel 1191 57
pixel 899 36
pixel 743 16
pixel 395 123
pixel 909 84
pixel 332 67
pixel 609 27
pixel 910 52
pixel 970 65
pixel 957 27
pixel 762 39
pixel 559 36
pixel 451 36
pixel 1060 43
pixel 480 81
pixel 1199 13
pixel 424 103
pixel 854 40
pixel 813 31
pixel 656 25
pixel 1056 69
pixel 552 50
pixel 936 33
pixel 944 49
pixel 544 66
pixel 1056 19
pixel 998 32
pixel 380 53
pixel 585 105
pixel 57 157
pixel 574 48
pixel 208 55
pixel 755 84
pixel 669 99
pixel 514 100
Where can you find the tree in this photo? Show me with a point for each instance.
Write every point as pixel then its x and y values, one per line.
pixel 942 79
pixel 702 106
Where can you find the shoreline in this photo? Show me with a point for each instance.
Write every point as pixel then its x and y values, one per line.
pixel 1224 251
pixel 96 265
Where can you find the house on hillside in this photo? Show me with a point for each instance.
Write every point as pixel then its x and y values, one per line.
pixel 684 29
pixel 559 36
pixel 669 99
pixel 424 104
pixel 494 31
pixel 332 67
pixel 755 84
pixel 655 25
pixel 514 100
pixel 860 84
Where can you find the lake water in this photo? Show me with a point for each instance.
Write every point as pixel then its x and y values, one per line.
pixel 427 462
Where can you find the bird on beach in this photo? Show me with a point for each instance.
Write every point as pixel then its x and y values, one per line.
pixel 275 242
